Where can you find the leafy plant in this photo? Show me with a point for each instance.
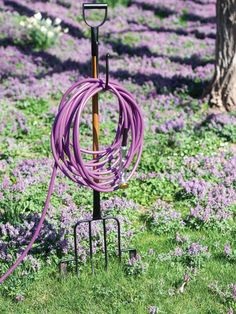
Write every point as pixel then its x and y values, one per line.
pixel 114 3
pixel 226 294
pixel 135 266
pixel 162 218
pixel 41 33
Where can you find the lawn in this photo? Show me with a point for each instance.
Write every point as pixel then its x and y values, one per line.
pixel 179 210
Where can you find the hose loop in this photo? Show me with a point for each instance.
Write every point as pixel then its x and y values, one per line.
pixel 103 173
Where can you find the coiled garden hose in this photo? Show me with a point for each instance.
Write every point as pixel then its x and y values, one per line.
pixel 107 171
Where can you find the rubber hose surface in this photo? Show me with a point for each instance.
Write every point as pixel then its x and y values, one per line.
pixel 103 173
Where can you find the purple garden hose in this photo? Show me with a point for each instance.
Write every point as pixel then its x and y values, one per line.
pixel 103 173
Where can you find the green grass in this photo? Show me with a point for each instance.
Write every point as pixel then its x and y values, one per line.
pixel 114 292
pixel 113 3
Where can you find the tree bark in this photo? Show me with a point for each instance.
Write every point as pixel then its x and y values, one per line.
pixel 223 88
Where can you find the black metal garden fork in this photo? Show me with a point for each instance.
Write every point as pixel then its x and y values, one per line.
pixel 97 217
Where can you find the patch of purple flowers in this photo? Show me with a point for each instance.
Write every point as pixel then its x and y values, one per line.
pixel 196 249
pixel 135 266
pixel 227 249
pixel 162 218
pixel 175 124
pixel 152 309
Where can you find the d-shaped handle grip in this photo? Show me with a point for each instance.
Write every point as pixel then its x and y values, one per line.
pixel 91 6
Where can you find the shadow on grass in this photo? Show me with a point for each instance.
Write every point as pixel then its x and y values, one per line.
pixel 159 10
pixel 162 12
pixel 52 61
pixel 182 195
pixel 201 2
pixel 163 83
pixel 197 18
pixel 179 31
pixel 142 51
pixel 160 82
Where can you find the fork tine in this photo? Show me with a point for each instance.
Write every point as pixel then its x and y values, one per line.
pixel 89 222
pixel 75 248
pixel 118 234
pixel 91 246
pixel 105 243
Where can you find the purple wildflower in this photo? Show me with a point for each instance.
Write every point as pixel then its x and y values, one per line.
pixel 227 249
pixel 152 309
pixel 233 289
pixel 196 248
pixel 19 298
pixel 178 251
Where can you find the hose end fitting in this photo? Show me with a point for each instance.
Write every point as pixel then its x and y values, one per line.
pixel 123 186
pixel 123 182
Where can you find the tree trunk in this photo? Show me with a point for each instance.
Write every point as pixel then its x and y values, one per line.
pixel 223 88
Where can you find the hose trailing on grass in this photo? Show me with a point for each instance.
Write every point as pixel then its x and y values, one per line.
pixel 107 171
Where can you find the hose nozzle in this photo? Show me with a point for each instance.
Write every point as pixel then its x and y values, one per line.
pixel 123 181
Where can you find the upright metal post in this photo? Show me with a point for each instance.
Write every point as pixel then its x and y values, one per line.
pixel 95 109
pixel 95 116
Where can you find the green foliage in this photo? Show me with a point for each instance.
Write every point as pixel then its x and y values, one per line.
pixel 162 205
pixel 113 3
pixel 135 266
pixel 41 33
pixel 161 218
pixel 163 153
pixel 130 294
pixel 130 38
pixel 183 19
pixel 226 294
pixel 146 192
pixel 227 132
pixel 33 106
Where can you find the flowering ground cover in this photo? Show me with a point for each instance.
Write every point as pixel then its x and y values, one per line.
pixel 179 210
